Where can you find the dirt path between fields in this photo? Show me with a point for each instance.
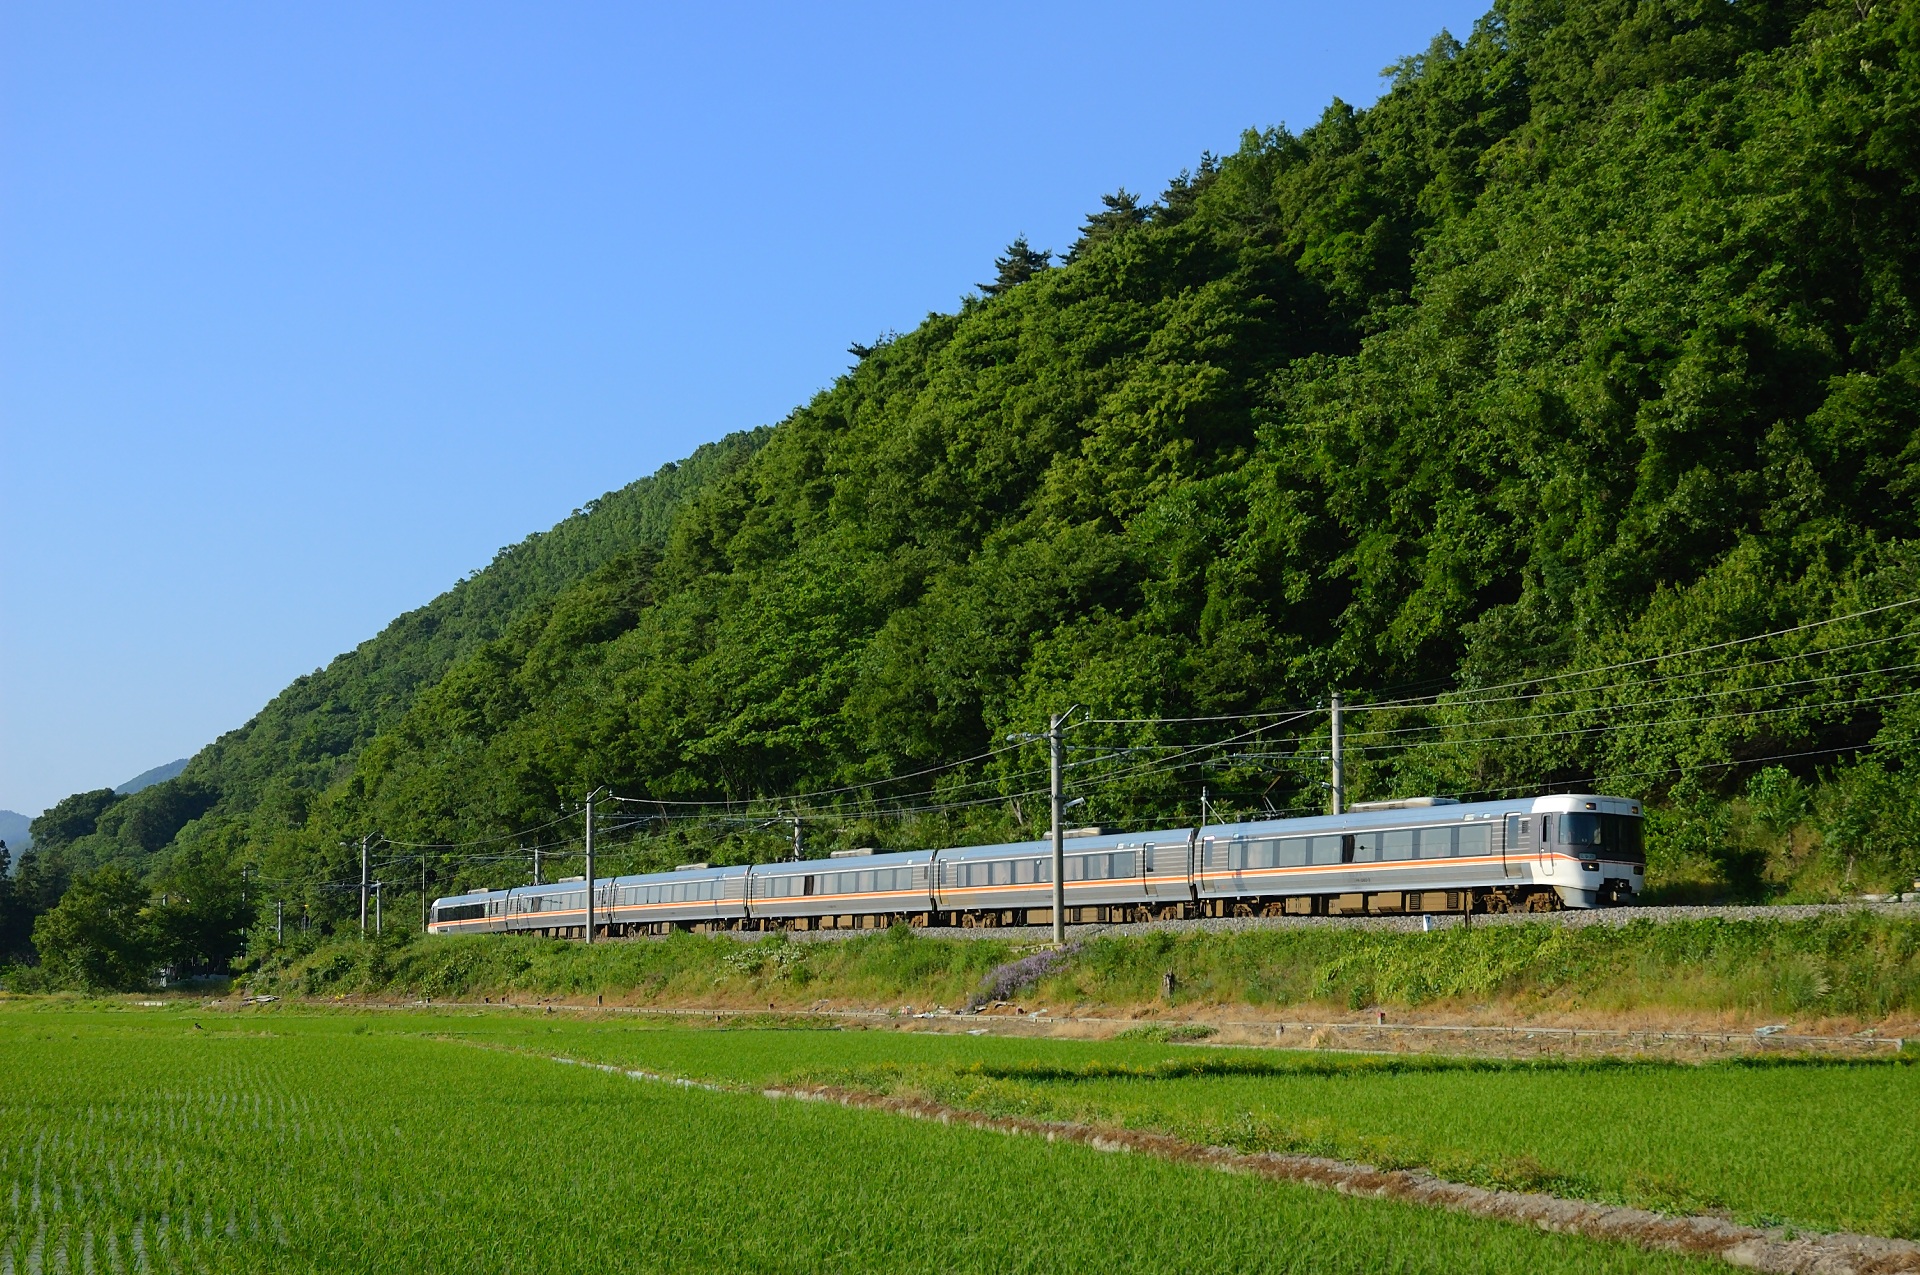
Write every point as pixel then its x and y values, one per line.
pixel 1628 1036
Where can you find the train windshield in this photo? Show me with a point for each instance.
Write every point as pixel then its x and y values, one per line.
pixel 1614 836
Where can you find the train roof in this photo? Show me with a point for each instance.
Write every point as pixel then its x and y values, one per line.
pixel 1401 816
pixel 1074 845
pixel 845 863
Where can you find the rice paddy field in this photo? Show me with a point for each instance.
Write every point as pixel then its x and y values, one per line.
pixel 182 1138
pixel 1822 1144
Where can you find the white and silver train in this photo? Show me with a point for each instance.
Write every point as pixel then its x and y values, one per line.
pixel 1429 854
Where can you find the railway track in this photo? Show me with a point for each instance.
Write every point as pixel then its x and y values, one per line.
pixel 1907 905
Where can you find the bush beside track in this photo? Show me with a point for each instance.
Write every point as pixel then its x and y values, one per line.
pixel 1859 965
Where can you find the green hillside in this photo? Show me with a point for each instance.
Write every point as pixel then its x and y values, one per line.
pixel 1593 341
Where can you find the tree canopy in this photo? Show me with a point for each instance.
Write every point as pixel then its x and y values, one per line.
pixel 1593 341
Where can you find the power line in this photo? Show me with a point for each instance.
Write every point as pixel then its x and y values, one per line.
pixel 1675 699
pixel 1673 655
pixel 1654 721
pixel 1647 681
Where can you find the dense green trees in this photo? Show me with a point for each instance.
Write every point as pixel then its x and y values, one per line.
pixel 99 936
pixel 1593 341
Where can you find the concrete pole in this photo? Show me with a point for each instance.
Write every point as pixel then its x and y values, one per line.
pixel 590 797
pixel 1057 793
pixel 1339 771
pixel 363 885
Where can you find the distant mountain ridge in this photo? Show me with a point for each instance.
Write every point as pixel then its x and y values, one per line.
pixel 148 778
pixel 16 828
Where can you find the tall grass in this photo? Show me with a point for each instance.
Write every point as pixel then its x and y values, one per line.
pixel 1861 965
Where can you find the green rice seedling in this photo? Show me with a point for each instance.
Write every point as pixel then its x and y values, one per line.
pixel 329 1142
pixel 1815 1142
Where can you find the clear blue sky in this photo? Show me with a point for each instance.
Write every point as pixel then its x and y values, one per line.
pixel 305 310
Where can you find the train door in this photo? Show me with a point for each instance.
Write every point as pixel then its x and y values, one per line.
pixel 1546 845
pixel 1514 844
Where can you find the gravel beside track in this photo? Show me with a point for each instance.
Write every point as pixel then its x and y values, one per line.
pixel 1226 925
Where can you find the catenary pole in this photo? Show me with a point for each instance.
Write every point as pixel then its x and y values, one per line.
pixel 363 884
pixel 279 921
pixel 590 797
pixel 424 901
pixel 379 926
pixel 1055 793
pixel 1339 771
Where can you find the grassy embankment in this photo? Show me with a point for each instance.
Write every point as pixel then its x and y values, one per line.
pixel 156 1140
pixel 1859 968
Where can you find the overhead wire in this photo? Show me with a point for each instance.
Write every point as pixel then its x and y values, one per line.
pixel 1674 655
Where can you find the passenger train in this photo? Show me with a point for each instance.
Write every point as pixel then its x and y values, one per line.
pixel 1425 855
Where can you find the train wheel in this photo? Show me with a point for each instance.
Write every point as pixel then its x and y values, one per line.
pixel 1497 901
pixel 1543 901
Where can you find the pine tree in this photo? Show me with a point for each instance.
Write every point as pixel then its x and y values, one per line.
pixel 1020 264
pixel 1121 214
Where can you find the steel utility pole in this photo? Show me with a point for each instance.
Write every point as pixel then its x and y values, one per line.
pixel 363 884
pixel 1339 775
pixel 1055 793
pixel 589 867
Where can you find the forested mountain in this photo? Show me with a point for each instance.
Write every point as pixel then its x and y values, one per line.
pixel 1592 342
pixel 148 778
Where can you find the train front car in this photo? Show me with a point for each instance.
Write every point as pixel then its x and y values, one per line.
pixel 1590 850
pixel 1426 855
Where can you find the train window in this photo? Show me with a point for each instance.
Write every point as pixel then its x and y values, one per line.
pixel 461 912
pixel 1397 844
pixel 1123 864
pixel 1291 853
pixel 1625 837
pixel 1619 835
pixel 1475 839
